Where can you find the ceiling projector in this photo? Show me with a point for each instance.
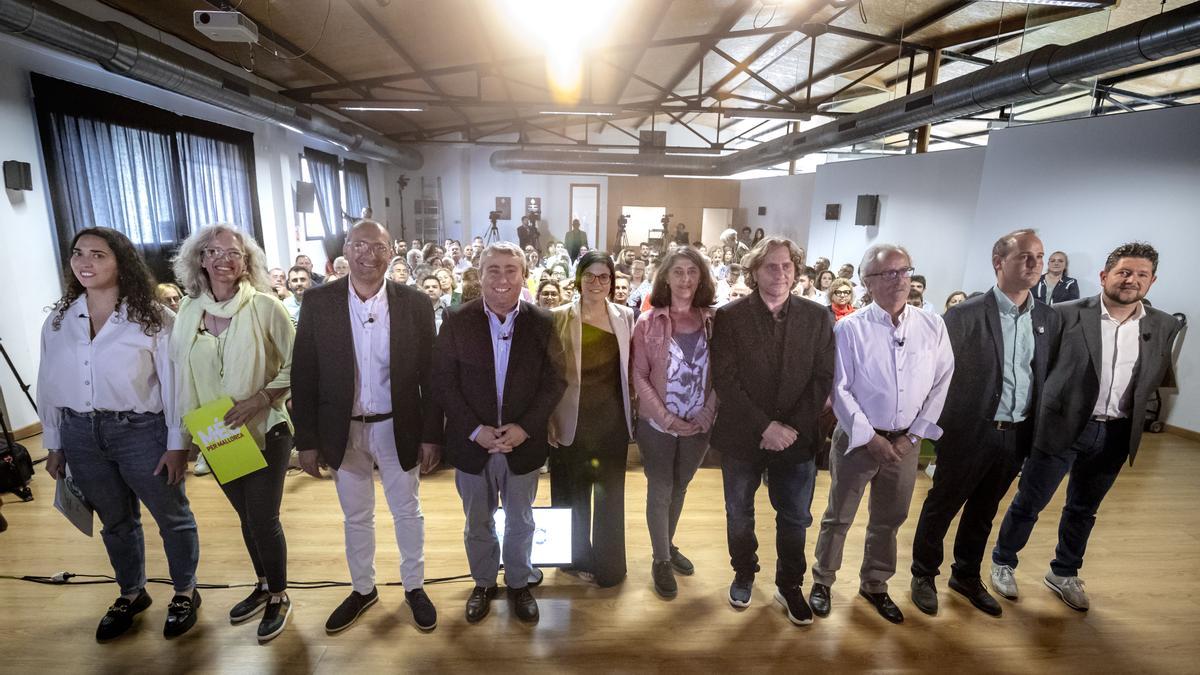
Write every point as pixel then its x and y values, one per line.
pixel 225 26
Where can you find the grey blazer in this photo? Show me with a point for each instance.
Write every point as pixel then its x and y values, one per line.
pixel 1073 385
pixel 975 389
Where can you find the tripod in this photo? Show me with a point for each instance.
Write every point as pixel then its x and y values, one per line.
pixel 493 234
pixel 17 376
pixel 622 238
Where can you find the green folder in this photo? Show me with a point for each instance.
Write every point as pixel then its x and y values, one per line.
pixel 231 453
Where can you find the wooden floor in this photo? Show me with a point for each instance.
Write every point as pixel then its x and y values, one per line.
pixel 1141 573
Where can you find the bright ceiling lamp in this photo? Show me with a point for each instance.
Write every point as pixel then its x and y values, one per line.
pixel 565 28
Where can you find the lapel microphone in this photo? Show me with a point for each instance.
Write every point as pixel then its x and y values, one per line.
pixel 899 341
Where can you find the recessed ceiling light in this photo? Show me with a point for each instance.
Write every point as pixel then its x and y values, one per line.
pixel 384 108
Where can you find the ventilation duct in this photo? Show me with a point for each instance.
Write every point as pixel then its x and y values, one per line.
pixel 124 51
pixel 1033 75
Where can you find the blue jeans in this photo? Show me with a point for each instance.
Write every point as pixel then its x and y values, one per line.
pixel 790 486
pixel 1093 461
pixel 112 457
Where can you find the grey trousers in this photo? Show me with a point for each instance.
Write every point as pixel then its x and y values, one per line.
pixel 670 463
pixel 481 495
pixel 891 494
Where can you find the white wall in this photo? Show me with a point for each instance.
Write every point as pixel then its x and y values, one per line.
pixel 926 204
pixel 789 202
pixel 29 264
pixel 1090 185
pixel 470 187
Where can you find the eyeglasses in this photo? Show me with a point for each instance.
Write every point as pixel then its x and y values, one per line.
pixel 233 255
pixel 842 292
pixel 590 278
pixel 892 275
pixel 360 247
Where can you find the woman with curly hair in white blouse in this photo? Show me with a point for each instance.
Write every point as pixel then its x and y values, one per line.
pixel 106 398
pixel 233 338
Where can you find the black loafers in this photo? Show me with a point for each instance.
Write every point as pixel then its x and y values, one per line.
pixel 819 600
pixel 883 604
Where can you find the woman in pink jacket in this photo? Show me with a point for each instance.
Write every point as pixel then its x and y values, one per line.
pixel 676 401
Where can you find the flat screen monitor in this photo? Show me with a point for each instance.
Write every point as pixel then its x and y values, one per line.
pixel 551 539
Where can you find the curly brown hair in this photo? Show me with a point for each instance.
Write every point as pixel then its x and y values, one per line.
pixel 135 285
pixel 754 259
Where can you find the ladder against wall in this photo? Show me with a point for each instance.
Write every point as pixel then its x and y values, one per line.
pixel 428 209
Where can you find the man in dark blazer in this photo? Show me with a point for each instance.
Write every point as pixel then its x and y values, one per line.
pixel 361 398
pixel 1115 352
pixel 772 356
pixel 1003 345
pixel 498 374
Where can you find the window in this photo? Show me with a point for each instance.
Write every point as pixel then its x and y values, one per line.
pixel 342 193
pixel 152 174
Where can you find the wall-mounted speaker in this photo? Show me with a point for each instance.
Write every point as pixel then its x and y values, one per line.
pixel 306 197
pixel 867 213
pixel 833 211
pixel 18 175
pixel 762 210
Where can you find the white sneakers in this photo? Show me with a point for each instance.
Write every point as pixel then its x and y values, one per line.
pixel 1003 581
pixel 1069 589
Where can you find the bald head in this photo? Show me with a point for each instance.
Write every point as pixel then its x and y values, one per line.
pixel 368 250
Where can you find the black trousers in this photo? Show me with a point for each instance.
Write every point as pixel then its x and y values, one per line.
pixel 256 498
pixel 973 474
pixel 591 482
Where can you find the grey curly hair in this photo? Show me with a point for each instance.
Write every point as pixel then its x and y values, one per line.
pixel 189 268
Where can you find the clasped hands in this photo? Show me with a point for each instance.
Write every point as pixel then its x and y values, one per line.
pixel 501 439
pixel 889 452
pixel 778 437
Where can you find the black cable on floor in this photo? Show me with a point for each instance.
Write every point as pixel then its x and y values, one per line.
pixel 65 579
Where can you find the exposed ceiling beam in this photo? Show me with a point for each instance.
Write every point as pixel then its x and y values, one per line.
pixel 852 62
pixel 649 29
pixel 381 30
pixel 301 93
pixel 721 27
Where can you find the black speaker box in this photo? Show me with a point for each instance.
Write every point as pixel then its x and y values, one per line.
pixel 18 175
pixel 306 197
pixel 867 213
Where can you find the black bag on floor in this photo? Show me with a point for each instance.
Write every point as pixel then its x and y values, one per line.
pixel 16 467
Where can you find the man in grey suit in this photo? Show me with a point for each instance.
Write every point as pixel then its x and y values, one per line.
pixel 1003 342
pixel 1115 352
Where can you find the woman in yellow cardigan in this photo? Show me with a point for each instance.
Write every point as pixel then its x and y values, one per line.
pixel 233 338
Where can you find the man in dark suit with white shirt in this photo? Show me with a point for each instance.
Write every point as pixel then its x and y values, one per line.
pixel 1003 342
pixel 498 374
pixel 361 398
pixel 1115 352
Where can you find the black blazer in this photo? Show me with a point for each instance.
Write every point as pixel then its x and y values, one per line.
pixel 1066 290
pixel 975 335
pixel 806 376
pixel 1073 385
pixel 464 384
pixel 323 368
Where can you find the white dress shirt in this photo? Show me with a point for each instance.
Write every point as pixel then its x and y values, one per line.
pixel 121 370
pixel 369 323
pixel 502 337
pixel 1120 346
pixel 891 377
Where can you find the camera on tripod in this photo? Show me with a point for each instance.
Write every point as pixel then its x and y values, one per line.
pixel 666 220
pixel 494 216
pixel 622 221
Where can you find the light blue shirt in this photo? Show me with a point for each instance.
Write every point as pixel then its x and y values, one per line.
pixel 1016 327
pixel 502 333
